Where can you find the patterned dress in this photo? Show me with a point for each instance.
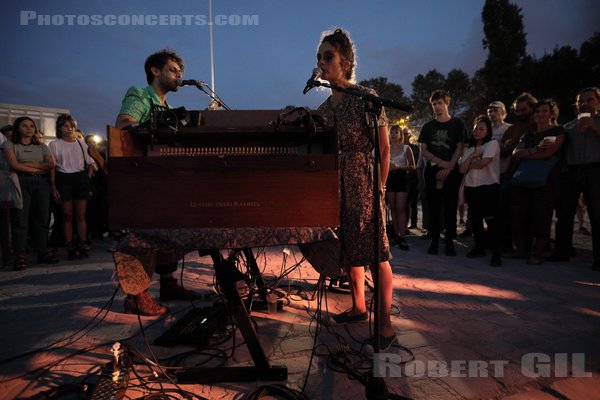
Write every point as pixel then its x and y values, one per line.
pixel 355 146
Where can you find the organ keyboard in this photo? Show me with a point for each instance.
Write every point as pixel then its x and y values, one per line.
pixel 236 169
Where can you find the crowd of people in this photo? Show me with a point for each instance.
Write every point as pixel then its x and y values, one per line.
pixel 512 177
pixel 515 178
pixel 46 190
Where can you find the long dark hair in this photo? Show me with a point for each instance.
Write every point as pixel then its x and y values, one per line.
pixel 488 123
pixel 16 134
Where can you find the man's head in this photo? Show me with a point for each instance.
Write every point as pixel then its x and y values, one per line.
pixel 164 68
pixel 588 100
pixel 440 100
pixel 496 112
pixel 523 106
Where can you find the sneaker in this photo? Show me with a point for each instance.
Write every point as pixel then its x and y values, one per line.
pixel 476 253
pixel 557 257
pixel 143 304
pixel 496 261
pixel 533 260
pixel 450 251
pixel 170 289
pixel 466 233
pixel 433 249
pixel 402 244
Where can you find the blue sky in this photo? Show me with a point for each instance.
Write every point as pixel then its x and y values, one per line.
pixel 262 65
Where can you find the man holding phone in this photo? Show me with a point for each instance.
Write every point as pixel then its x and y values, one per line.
pixel 582 175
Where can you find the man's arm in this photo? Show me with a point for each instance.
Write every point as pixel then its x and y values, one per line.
pixel 135 108
pixel 124 120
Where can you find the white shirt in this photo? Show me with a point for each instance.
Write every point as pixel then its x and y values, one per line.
pixel 488 175
pixel 398 154
pixel 69 155
pixel 498 132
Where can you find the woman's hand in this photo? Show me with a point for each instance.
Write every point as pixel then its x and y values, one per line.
pixel 442 174
pixel 56 195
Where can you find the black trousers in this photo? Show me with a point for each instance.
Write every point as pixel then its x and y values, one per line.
pixel 576 180
pixel 446 197
pixel 484 204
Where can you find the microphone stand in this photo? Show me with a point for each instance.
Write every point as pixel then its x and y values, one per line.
pixel 213 96
pixel 375 387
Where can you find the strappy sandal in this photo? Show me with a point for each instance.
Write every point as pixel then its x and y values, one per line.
pixel 48 258
pixel 20 263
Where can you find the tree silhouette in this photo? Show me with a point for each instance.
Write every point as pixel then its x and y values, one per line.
pixel 506 43
pixel 387 90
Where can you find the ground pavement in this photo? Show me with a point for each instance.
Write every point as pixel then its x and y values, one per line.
pixel 472 331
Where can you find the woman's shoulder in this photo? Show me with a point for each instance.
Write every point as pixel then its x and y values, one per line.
pixel 8 144
pixel 556 130
pixel 363 89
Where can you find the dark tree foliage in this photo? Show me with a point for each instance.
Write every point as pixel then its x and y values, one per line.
pixel 507 72
pixel 387 90
pixel 458 84
pixel 590 57
pixel 422 86
pixel 557 76
pixel 506 42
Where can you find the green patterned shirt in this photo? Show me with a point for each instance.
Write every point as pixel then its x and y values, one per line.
pixel 138 103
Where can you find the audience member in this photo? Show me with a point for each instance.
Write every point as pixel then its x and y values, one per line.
pixel 442 141
pixel 582 175
pixel 522 107
pixel 535 181
pixel 480 163
pixel 97 211
pixel 401 161
pixel 71 182
pixel 423 195
pixel 413 183
pixel 496 112
pixel 7 178
pixel 32 161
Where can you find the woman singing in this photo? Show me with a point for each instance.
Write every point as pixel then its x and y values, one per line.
pixel 346 114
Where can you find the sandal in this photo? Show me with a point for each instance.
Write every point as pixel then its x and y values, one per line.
pixel 20 263
pixel 47 258
pixel 385 342
pixel 345 317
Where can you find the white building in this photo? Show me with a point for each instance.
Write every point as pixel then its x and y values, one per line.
pixel 44 117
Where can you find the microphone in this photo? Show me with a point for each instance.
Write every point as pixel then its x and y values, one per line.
pixel 316 74
pixel 189 82
pixel 407 108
